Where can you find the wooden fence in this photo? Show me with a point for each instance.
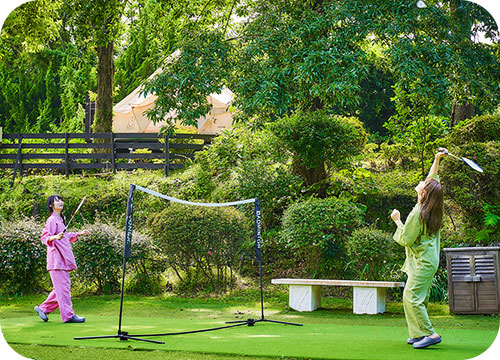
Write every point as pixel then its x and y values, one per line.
pixel 67 152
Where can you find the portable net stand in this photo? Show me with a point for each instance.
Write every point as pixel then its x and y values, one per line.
pixel 123 335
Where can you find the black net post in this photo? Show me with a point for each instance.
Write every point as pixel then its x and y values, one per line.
pixel 258 226
pixel 127 247
pixel 129 222
pixel 258 250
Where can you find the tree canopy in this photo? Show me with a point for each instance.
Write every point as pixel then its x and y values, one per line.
pixel 346 57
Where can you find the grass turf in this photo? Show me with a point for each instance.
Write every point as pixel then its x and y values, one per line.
pixel 330 333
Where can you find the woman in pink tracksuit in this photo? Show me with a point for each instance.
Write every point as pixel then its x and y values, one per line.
pixel 60 261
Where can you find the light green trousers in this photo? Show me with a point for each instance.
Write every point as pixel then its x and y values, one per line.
pixel 415 300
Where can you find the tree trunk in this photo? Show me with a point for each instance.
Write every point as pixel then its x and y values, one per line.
pixel 104 102
pixel 311 176
pixel 460 113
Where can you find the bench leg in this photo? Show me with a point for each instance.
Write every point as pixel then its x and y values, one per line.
pixel 305 297
pixel 368 300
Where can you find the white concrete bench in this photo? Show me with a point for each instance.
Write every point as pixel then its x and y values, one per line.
pixel 368 296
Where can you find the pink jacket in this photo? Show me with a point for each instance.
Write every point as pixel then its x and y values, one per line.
pixel 59 253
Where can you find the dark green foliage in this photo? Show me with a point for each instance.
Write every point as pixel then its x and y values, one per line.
pixel 476 139
pixel 204 246
pixel 483 128
pixel 272 183
pixel 22 257
pixel 395 190
pixel 243 164
pixel 375 105
pixel 318 140
pixel 99 257
pixel 371 253
pixel 316 229
pixel 145 266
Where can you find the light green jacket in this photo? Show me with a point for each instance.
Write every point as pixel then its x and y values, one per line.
pixel 422 250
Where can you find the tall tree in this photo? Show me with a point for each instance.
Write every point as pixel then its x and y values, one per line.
pixel 436 54
pixel 281 56
pixel 151 33
pixel 28 67
pixel 97 23
pixel 203 65
pixel 441 69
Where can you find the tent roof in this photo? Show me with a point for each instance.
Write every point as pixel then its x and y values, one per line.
pixel 135 98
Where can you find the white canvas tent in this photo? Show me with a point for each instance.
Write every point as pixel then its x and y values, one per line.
pixel 129 113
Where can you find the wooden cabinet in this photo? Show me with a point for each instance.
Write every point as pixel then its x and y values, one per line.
pixel 473 280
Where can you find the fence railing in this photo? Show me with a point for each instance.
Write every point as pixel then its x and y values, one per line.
pixel 67 152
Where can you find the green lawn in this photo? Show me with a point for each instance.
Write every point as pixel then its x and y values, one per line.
pixel 330 333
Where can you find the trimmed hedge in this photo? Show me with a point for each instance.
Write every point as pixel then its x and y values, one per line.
pixel 202 245
pixel 474 194
pixel 316 229
pixel 372 253
pixel 22 257
pixel 99 257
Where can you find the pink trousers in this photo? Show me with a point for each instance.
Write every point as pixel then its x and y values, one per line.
pixel 60 297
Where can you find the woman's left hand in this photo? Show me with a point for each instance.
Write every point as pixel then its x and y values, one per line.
pixel 396 216
pixel 84 232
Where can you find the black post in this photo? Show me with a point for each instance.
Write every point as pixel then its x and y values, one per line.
pixel 258 250
pixel 19 158
pixel 127 246
pixel 167 155
pixel 258 257
pixel 66 155
pixel 113 161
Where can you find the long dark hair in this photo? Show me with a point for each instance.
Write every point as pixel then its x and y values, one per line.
pixel 50 204
pixel 431 206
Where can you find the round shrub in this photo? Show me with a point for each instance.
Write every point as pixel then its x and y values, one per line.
pixel 317 229
pixel 318 140
pixel 99 256
pixel 22 257
pixel 273 184
pixel 481 128
pixel 472 192
pixel 202 245
pixel 145 268
pixel 371 253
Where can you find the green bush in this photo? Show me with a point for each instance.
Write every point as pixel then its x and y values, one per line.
pixel 317 141
pixel 394 190
pixel 371 253
pixel 471 192
pixel 240 164
pixel 397 154
pixel 99 257
pixel 204 246
pixel 481 128
pixel 317 229
pixel 145 267
pixel 273 184
pixel 22 257
pixel 238 145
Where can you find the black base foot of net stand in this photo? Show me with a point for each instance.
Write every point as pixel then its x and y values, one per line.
pixel 122 335
pixel 252 322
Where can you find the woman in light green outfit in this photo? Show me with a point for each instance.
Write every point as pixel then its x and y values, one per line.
pixel 420 236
